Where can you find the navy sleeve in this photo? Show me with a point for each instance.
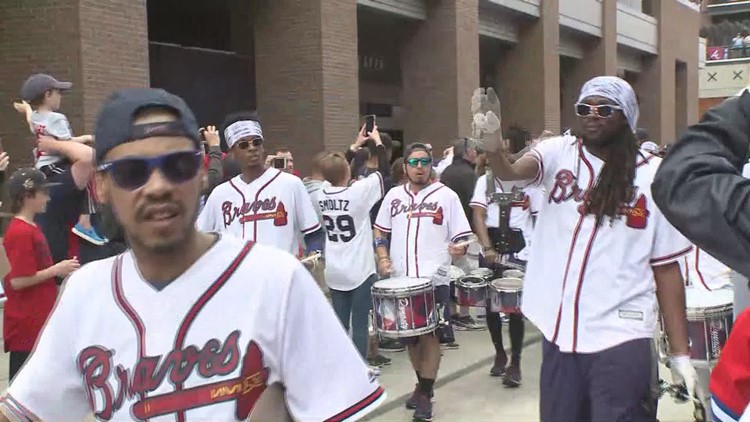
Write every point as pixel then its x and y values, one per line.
pixel 315 241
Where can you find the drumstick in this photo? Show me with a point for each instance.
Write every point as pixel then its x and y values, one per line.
pixel 467 242
pixel 311 258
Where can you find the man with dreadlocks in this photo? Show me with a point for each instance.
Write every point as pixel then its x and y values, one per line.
pixel 602 249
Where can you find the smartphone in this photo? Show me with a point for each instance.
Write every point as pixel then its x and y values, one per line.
pixel 369 123
pixel 279 163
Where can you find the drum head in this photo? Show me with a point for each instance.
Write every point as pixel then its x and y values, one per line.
pixel 397 283
pixel 513 274
pixel 508 284
pixel 454 273
pixel 701 299
pixel 472 281
pixel 482 272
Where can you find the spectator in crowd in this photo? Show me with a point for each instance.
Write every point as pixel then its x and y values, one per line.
pixel 363 159
pixel 397 172
pixel 444 162
pixel 737 42
pixel 314 185
pixel 30 285
pixel 214 159
pixel 4 162
pixel 67 163
pixel 315 182
pixel 350 265
pixel 644 141
pixel 460 177
pixel 283 160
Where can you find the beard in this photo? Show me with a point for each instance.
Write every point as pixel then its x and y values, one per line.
pixel 169 246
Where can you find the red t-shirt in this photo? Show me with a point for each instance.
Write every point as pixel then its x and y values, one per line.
pixel 27 309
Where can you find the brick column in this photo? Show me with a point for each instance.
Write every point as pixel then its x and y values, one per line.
pixel 97 45
pixel 678 26
pixel 307 74
pixel 600 59
pixel 440 67
pixel 114 51
pixel 529 77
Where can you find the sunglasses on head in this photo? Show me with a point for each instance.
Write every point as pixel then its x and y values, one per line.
pixel 132 173
pixel 414 162
pixel 245 143
pixel 603 111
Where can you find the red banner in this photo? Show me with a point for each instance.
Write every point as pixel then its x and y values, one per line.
pixel 716 53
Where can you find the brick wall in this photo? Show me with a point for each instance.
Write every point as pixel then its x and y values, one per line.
pixel 658 83
pixel 37 36
pixel 307 74
pixel 99 45
pixel 529 77
pixel 440 71
pixel 114 51
pixel 600 58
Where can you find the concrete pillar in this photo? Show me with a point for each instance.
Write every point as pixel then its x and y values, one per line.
pixel 307 74
pixel 600 59
pixel 529 77
pixel 440 70
pixel 96 47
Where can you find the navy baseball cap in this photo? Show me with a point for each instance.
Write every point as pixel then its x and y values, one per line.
pixel 36 85
pixel 114 126
pixel 27 180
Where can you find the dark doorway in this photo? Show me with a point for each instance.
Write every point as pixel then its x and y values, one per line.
pixel 203 52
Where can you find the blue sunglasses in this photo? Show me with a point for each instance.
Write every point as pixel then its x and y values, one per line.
pixel 132 173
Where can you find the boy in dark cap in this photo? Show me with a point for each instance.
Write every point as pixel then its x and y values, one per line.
pixel 30 285
pixel 67 163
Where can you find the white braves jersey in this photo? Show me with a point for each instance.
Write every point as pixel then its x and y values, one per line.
pixel 702 271
pixel 422 225
pixel 272 210
pixel 201 349
pixel 590 288
pixel 350 258
pixel 520 214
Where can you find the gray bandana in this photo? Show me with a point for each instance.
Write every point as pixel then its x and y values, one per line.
pixel 617 90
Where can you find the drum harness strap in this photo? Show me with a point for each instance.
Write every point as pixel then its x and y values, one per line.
pixel 505 201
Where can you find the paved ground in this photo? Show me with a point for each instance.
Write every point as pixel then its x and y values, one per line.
pixel 466 392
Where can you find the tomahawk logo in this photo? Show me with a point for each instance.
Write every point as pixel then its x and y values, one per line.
pixel 258 210
pixel 117 384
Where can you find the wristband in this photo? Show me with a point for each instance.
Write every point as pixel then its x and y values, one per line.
pixel 680 360
pixel 381 241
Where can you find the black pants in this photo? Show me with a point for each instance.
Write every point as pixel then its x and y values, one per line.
pixel 516 329
pixel 17 359
pixel 516 326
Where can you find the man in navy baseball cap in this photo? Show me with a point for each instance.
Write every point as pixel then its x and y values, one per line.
pixel 115 124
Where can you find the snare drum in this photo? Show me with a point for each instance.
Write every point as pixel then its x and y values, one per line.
pixel 484 273
pixel 471 291
pixel 404 307
pixel 709 316
pixel 454 274
pixel 505 295
pixel 513 274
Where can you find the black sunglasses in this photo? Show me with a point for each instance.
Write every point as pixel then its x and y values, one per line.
pixel 133 173
pixel 604 111
pixel 245 143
